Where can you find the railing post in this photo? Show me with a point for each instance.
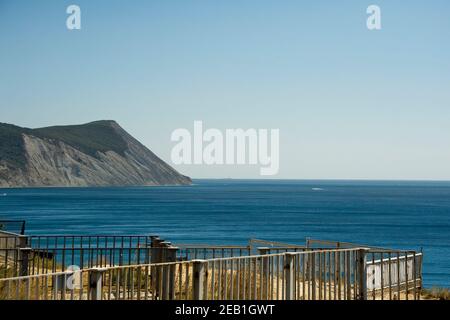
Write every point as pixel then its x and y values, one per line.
pixel 60 284
pixel 164 271
pixel 313 276
pixel 171 257
pixel 420 273
pixel 289 283
pixel 24 254
pixel 23 241
pixel 155 272
pixel 153 243
pixel 199 267
pixel 265 271
pixel 95 283
pixel 22 228
pixel 164 245
pixel 362 272
pixel 155 256
pixel 264 251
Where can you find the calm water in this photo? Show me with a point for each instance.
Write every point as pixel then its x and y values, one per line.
pixel 405 215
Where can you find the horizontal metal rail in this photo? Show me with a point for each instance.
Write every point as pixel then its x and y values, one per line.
pixel 146 267
pixel 267 243
pixel 211 252
pixel 13 226
pixel 394 275
pixel 27 255
pixel 288 276
pixel 310 243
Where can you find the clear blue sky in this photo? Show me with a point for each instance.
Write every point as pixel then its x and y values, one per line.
pixel 349 102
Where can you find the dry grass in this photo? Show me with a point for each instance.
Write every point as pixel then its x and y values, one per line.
pixel 436 294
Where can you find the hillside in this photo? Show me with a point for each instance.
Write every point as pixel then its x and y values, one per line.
pixel 99 153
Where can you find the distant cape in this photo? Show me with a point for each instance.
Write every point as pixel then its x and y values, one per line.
pixel 99 153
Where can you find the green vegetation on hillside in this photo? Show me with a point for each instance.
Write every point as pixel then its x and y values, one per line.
pixel 88 138
pixel 11 145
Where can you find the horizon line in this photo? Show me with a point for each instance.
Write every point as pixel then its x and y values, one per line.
pixel 329 179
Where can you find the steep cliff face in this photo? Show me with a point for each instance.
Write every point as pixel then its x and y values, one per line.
pixel 95 154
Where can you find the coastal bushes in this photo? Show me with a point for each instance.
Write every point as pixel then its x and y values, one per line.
pixel 437 293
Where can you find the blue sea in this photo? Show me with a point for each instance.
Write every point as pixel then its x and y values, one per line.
pixel 403 215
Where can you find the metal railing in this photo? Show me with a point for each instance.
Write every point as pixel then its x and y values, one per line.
pixel 147 267
pixel 29 255
pixel 394 275
pixel 13 226
pixel 267 243
pixel 332 244
pixel 254 247
pixel 133 282
pixel 306 275
pixel 188 252
pixel 334 274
